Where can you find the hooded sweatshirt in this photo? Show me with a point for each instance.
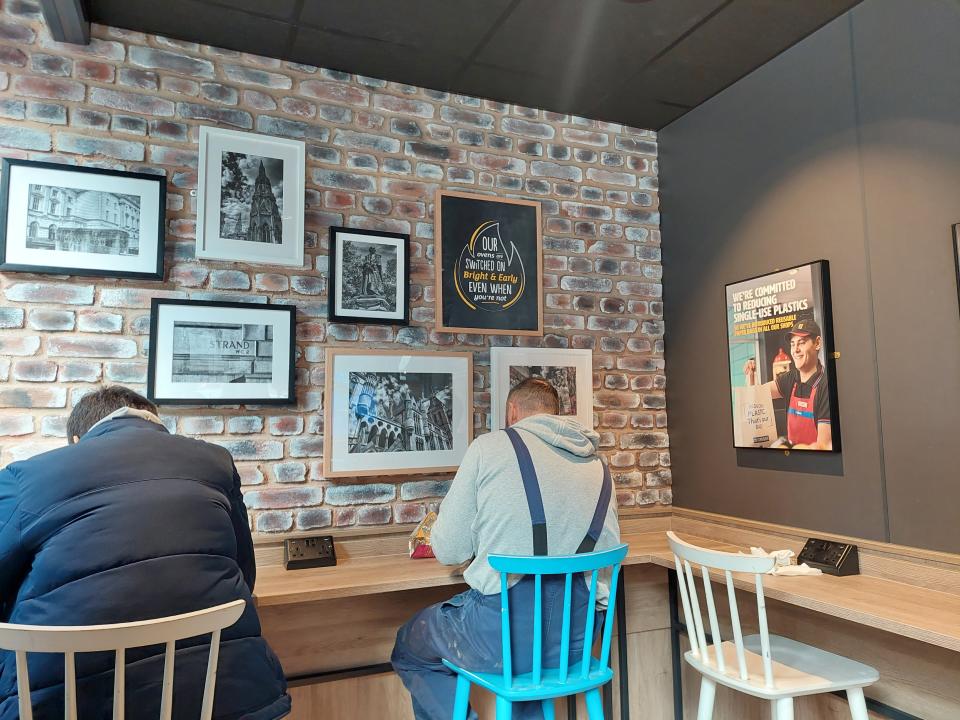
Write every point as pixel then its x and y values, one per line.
pixel 485 511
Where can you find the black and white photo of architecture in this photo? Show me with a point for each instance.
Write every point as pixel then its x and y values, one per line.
pixel 400 412
pixel 81 220
pixel 369 276
pixel 222 353
pixel 251 198
pixel 562 378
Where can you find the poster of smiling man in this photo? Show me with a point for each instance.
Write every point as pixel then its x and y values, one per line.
pixel 782 379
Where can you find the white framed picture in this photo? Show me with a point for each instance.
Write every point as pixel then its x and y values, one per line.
pixel 221 353
pixel 369 276
pixel 69 220
pixel 250 198
pixel 570 372
pixel 396 412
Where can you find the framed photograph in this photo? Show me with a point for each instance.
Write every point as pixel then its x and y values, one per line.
pixel 369 276
pixel 68 220
pixel 395 412
pixel 489 264
pixel 570 372
pixel 221 353
pixel 250 198
pixel 780 349
pixel 956 256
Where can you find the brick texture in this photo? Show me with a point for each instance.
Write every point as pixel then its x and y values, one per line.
pixel 376 152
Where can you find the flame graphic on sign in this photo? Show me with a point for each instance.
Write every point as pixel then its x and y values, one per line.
pixel 511 252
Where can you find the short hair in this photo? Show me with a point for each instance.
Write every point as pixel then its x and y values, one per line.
pixel 535 395
pixel 97 405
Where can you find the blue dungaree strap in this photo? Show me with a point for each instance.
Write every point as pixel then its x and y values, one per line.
pixel 531 487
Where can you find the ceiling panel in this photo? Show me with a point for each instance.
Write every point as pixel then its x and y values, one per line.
pixel 197 22
pixel 452 28
pixel 639 62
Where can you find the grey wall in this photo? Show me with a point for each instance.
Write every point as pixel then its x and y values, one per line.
pixel 846 147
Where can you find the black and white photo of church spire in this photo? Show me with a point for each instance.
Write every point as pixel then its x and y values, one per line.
pixel 251 198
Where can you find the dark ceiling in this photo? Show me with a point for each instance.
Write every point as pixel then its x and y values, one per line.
pixel 639 62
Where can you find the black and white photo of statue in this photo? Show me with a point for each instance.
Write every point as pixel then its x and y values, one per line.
pixel 400 412
pixel 80 220
pixel 251 198
pixel 222 352
pixel 369 276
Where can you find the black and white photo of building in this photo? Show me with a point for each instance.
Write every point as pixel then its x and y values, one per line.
pixel 251 198
pixel 81 220
pixel 400 412
pixel 222 353
pixel 562 378
pixel 369 272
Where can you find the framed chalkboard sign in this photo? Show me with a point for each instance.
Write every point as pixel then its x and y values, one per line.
pixel 489 260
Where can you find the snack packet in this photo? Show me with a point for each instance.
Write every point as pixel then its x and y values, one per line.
pixel 420 538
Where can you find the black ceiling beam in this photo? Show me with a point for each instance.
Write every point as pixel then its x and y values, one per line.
pixel 67 21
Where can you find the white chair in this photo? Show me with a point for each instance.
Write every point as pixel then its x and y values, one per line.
pixel 23 639
pixel 766 666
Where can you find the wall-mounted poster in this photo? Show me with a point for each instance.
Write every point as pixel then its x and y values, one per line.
pixel 250 198
pixel 489 265
pixel 369 276
pixel 956 255
pixel 397 412
pixel 221 353
pixel 782 376
pixel 570 372
pixel 70 220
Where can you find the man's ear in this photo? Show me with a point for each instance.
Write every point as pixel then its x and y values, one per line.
pixel 511 414
pixel 75 440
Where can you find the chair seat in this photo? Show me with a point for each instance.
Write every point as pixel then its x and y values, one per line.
pixel 550 686
pixel 798 669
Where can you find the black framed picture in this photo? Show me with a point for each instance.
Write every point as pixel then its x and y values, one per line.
pixel 956 256
pixel 369 276
pixel 221 353
pixel 489 264
pixel 67 220
pixel 781 363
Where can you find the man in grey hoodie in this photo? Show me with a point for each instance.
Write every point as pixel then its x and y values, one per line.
pixel 537 488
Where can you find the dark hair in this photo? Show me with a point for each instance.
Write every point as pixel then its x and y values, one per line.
pixel 535 395
pixel 97 405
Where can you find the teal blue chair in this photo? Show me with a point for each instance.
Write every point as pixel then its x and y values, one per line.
pixel 544 684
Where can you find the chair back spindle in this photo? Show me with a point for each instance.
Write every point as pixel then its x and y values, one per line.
pixel 686 555
pixel 116 638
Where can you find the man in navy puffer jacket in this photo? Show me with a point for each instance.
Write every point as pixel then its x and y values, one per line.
pixel 131 523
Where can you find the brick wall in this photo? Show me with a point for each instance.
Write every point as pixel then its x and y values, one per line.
pixel 376 152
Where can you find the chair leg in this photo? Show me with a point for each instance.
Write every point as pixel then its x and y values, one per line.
pixel 548 709
pixel 782 709
pixel 504 709
pixel 594 704
pixel 858 704
pixel 462 700
pixel 708 692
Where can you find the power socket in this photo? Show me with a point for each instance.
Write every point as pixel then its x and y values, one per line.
pixel 309 552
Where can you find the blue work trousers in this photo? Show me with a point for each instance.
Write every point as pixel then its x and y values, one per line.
pixel 466 631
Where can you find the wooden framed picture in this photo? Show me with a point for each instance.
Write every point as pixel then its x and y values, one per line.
pixel 69 220
pixel 221 353
pixel 489 264
pixel 396 412
pixel 570 372
pixel 250 198
pixel 369 276
pixel 781 365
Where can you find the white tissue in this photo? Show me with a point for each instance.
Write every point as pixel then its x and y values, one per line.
pixel 783 565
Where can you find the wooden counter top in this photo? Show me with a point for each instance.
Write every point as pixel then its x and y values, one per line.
pixel 910 611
